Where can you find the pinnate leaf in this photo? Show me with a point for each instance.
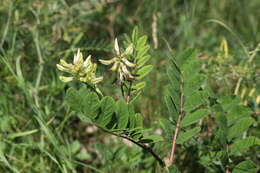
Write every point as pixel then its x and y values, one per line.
pixel 144 71
pixel 243 144
pixel 184 136
pixel 245 167
pixel 192 118
pixel 107 110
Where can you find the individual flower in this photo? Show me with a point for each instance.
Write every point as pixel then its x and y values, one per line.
pixel 84 71
pixel 120 62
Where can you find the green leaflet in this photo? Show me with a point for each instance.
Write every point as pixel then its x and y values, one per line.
pixel 193 84
pixel 221 121
pixel 141 42
pixel 173 109
pixel 222 131
pixel 84 118
pixel 239 127
pixel 83 101
pixel 131 121
pixel 172 98
pixel 190 69
pixel 243 144
pixel 137 127
pixel 194 117
pixel 245 167
pixel 122 114
pixel 74 99
pixel 138 120
pixel 151 139
pixel 135 35
pixel 142 51
pixel 92 105
pixel 174 75
pixel 107 109
pixel 139 86
pixel 175 96
pixel 236 112
pixel 142 60
pixel 194 101
pixel 186 56
pixel 184 136
pixel 228 102
pixel 144 71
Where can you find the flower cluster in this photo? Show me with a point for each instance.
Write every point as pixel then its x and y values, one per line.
pixel 120 62
pixel 84 71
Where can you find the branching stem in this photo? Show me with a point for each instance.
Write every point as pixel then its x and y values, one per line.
pixel 145 147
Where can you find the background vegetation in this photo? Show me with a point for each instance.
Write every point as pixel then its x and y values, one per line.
pixel 38 129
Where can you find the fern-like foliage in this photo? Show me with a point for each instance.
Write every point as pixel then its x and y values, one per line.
pixel 186 96
pixel 188 100
pixel 140 57
pixel 115 117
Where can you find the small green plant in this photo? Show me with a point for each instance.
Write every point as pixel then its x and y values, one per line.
pixel 116 117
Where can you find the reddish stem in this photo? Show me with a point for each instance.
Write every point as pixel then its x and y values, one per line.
pixel 175 139
pixel 181 114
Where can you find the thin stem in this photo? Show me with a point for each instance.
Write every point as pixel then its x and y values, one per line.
pixel 227 165
pixel 129 93
pixel 122 90
pixel 145 147
pixel 174 140
pixel 177 129
pixel 95 89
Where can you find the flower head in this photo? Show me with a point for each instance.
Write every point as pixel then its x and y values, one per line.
pixel 120 62
pixel 84 71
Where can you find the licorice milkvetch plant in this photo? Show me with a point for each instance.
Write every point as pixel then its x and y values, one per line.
pixel 130 65
pixel 190 101
pixel 116 117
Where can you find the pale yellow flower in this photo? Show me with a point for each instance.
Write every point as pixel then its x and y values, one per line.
pixel 120 62
pixel 84 71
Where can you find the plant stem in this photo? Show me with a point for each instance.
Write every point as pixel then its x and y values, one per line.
pixel 145 147
pixel 177 129
pixel 129 93
pixel 174 140
pixel 227 165
pixel 95 89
